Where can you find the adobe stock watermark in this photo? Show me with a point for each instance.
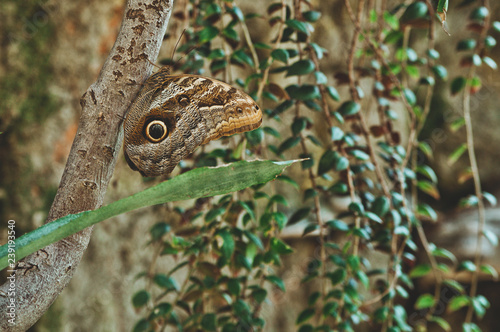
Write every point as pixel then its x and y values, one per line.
pixel 11 279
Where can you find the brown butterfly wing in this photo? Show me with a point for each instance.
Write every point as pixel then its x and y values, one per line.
pixel 194 111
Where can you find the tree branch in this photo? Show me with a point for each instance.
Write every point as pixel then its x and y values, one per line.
pixel 42 276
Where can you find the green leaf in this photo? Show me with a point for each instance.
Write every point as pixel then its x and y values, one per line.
pixel 297 25
pixel 425 210
pixel 458 84
pixel 337 225
pixel 326 161
pixel 140 299
pixel 381 206
pixel 289 143
pixel 490 62
pixel 280 247
pixel 415 11
pixel 490 198
pixel 467 266
pixel 259 294
pixel 310 228
pixel 142 326
pixel 458 302
pixel 298 125
pixel 424 301
pixel 209 322
pixel 349 108
pixel 488 269
pixel 440 72
pixel 227 245
pixel 280 55
pixel 299 215
pixel 208 33
pixel 200 182
pixel 332 92
pixel 356 207
pixel 336 133
pixel 410 97
pixel 337 276
pixel 372 216
pixel 479 14
pixel 311 16
pixel 455 155
pixel 241 57
pixel 305 315
pixel 301 67
pixel 158 230
pixel 428 188
pixel 491 237
pixel 277 281
pixel 441 321
pixel 166 282
pixel 303 92
pixel 420 271
pixel 466 44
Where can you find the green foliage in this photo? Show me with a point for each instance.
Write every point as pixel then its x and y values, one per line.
pixel 229 258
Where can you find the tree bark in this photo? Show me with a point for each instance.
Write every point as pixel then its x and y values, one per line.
pixel 41 276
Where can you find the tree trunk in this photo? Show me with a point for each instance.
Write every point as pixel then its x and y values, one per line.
pixel 40 277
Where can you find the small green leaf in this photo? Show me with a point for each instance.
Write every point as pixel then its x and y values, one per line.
pixel 209 322
pixel 425 210
pixel 277 281
pixel 332 92
pixel 441 322
pixel 259 294
pixel 356 207
pixel 428 188
pixel 301 67
pixel 337 276
pixel 140 298
pixel 490 62
pixel 414 12
pixel 424 301
pixel 455 155
pixel 280 55
pixel 490 198
pixel 381 206
pixel 336 133
pixel 297 25
pixel 349 108
pixel 479 14
pixel 280 247
pixel 241 57
pixel 227 247
pixel 207 34
pixel 299 215
pixel 372 216
pixel 166 282
pixel 289 143
pixel 467 266
pixel 466 44
pixel 326 161
pixel 458 302
pixel 337 225
pixel 440 72
pixel 491 237
pixel 305 315
pixel 310 228
pixel 311 16
pixel 320 77
pixel 458 84
pixel 142 325
pixel 303 92
pixel 420 271
pixel 488 269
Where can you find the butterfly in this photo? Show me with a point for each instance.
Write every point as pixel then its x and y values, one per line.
pixel 174 114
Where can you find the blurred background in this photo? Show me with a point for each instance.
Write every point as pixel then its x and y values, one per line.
pixel 51 51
